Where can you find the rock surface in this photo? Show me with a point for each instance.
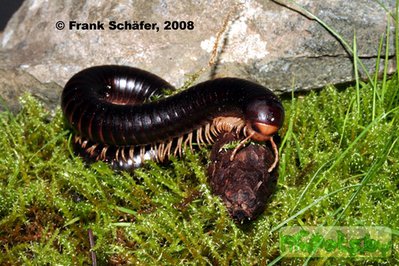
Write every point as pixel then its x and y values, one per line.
pixel 264 41
pixel 15 82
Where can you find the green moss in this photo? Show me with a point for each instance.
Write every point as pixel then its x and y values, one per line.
pixel 339 166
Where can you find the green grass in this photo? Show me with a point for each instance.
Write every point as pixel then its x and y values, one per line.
pixel 339 165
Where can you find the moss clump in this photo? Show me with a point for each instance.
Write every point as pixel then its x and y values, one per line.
pixel 339 165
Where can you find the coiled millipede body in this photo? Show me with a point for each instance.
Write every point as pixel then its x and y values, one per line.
pixel 110 110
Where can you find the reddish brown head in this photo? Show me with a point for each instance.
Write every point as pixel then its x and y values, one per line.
pixel 264 118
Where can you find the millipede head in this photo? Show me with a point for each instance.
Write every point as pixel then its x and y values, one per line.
pixel 264 117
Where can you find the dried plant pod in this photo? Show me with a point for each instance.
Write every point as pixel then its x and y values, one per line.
pixel 244 184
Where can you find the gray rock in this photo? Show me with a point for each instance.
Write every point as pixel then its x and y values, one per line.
pixel 263 41
pixel 15 82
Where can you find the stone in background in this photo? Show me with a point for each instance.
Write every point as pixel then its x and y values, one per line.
pixel 263 41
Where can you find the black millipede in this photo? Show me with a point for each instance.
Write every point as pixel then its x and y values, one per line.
pixel 110 110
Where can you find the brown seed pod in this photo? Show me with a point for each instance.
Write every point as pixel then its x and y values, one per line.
pixel 244 184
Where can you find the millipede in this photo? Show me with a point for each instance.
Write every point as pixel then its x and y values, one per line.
pixel 119 116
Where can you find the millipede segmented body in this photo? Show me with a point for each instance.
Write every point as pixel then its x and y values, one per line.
pixel 110 110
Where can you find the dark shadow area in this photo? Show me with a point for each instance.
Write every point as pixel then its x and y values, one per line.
pixel 8 8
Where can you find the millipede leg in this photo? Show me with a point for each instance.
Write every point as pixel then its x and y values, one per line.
pixel 131 152
pixel 274 146
pixel 103 153
pixel 78 140
pixel 117 154
pixel 178 149
pixel 91 149
pixel 208 134
pixel 160 151
pixel 123 154
pixel 168 149
pixel 214 129
pixel 189 140
pixel 240 128
pixel 245 131
pixel 239 146
pixel 199 137
pixel 84 144
pixel 142 153
pixel 154 150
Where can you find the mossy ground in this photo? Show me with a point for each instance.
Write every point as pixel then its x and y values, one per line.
pixel 339 165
